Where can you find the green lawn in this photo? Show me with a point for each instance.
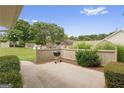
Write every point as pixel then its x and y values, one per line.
pixel 87 42
pixel 22 53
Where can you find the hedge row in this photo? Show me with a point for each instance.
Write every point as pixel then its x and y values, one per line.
pixel 114 75
pixel 10 71
pixel 9 63
pixel 120 53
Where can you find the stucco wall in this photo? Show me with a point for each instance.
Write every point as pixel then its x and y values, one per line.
pixel 29 45
pixel 4 44
pixel 106 56
pixel 45 55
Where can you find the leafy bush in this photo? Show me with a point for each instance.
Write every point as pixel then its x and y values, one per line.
pixel 106 46
pixel 114 75
pixel 21 44
pixel 31 41
pixel 3 40
pixel 82 46
pixel 9 63
pixel 13 78
pixel 120 53
pixel 9 71
pixel 87 58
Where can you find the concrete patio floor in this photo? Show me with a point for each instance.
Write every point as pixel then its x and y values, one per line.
pixel 61 75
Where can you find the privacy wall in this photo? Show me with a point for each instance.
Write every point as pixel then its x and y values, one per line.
pixel 46 55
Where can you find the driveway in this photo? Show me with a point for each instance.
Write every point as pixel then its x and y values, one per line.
pixel 61 75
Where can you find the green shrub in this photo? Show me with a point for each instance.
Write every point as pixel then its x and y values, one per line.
pixel 114 75
pixel 13 78
pixel 3 40
pixel 120 53
pixel 8 63
pixel 106 46
pixel 87 58
pixel 82 46
pixel 10 71
pixel 31 41
pixel 21 44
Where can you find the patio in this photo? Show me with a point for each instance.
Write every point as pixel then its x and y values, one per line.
pixel 61 75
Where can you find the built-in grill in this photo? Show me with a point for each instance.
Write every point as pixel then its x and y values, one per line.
pixel 57 56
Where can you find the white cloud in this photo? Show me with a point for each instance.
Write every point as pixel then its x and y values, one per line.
pixel 26 20
pixel 104 12
pixel 94 11
pixel 33 21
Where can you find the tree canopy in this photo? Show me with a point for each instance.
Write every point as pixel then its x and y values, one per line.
pixel 22 26
pixel 89 37
pixel 38 32
pixel 43 33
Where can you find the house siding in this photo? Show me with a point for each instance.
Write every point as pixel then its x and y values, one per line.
pixel 117 38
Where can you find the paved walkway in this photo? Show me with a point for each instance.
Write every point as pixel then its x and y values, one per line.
pixel 61 75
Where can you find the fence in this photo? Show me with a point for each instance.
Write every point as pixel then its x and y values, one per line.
pixel 105 56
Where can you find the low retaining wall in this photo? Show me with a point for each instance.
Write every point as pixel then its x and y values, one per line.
pixel 106 56
pixel 29 45
pixel 4 44
pixel 45 55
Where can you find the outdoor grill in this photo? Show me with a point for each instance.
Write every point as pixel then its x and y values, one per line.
pixel 57 55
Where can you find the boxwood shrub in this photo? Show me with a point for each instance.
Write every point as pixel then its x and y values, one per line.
pixel 114 75
pixel 10 71
pixel 87 58
pixel 8 63
pixel 12 77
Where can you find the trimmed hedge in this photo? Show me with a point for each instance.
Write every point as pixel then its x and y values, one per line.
pixel 87 58
pixel 13 78
pixel 114 75
pixel 9 63
pixel 10 71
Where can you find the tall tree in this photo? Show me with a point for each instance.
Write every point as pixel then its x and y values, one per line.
pixel 14 36
pixel 44 32
pixel 23 27
pixel 39 32
pixel 56 33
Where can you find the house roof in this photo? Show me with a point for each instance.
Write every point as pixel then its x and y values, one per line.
pixel 67 42
pixel 116 32
pixel 9 14
pixel 105 39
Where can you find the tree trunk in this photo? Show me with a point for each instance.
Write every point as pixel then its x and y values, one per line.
pixel 14 44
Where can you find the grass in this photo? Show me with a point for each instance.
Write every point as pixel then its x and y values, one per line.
pixel 75 43
pixel 106 46
pixel 23 53
pixel 89 42
pixel 82 46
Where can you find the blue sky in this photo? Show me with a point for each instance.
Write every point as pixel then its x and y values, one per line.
pixel 77 20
